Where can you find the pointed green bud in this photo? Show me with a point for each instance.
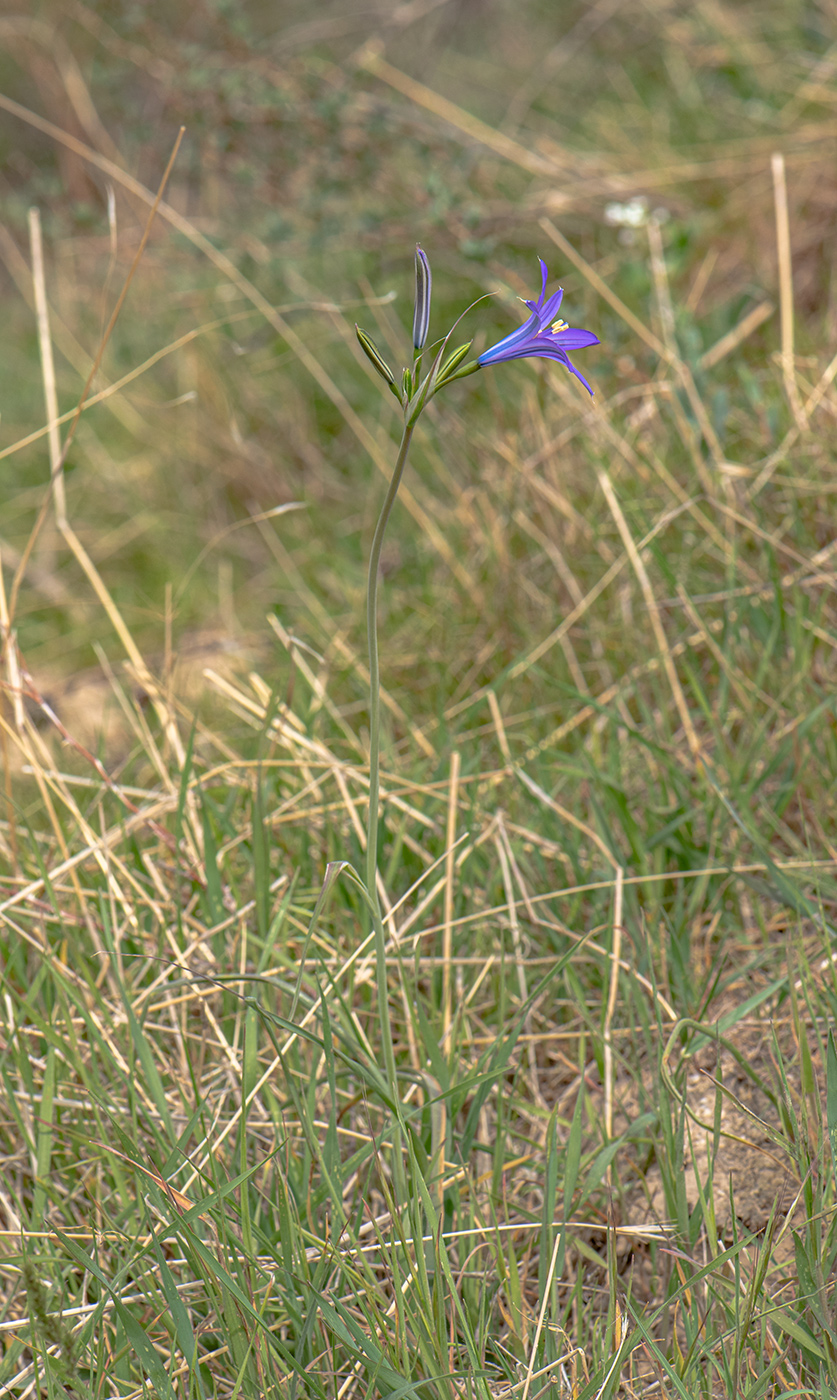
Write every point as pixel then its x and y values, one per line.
pixel 463 371
pixel 370 348
pixel 407 384
pixel 453 362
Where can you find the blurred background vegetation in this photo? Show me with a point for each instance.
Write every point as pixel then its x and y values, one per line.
pixel 608 630
pixel 316 178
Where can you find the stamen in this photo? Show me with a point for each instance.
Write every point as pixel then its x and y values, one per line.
pixel 560 326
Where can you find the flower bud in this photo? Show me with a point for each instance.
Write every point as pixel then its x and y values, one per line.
pixel 421 315
pixel 453 362
pixel 371 349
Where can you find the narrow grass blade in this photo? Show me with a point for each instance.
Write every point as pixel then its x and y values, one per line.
pixel 142 1348
pixel 831 1098
pixel 186 1339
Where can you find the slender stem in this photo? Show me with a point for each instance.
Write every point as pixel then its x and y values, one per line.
pixel 374 774
pixel 374 669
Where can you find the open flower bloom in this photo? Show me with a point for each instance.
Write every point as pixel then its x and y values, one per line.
pixel 543 334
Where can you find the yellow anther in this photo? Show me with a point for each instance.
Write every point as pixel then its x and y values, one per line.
pixel 560 326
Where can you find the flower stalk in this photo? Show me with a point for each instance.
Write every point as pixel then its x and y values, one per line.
pixel 374 667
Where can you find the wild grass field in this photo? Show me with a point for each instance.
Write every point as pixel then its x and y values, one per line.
pixel 601 1158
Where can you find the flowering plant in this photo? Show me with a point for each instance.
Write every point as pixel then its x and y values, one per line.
pixel 543 335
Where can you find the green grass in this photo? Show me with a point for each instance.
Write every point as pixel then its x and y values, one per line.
pixel 607 856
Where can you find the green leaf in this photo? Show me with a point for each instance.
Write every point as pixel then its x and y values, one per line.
pixel 44 1149
pixel 261 860
pixel 214 888
pixel 186 1339
pixel 831 1097
pixel 142 1348
pixel 792 1327
pixel 146 1059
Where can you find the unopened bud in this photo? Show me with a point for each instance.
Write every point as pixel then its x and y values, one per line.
pixel 421 315
pixel 371 349
pixel 452 363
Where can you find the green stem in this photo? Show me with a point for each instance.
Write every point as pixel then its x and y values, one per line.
pixel 374 668
pixel 375 753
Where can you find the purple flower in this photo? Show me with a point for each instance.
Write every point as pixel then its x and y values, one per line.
pixel 543 334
